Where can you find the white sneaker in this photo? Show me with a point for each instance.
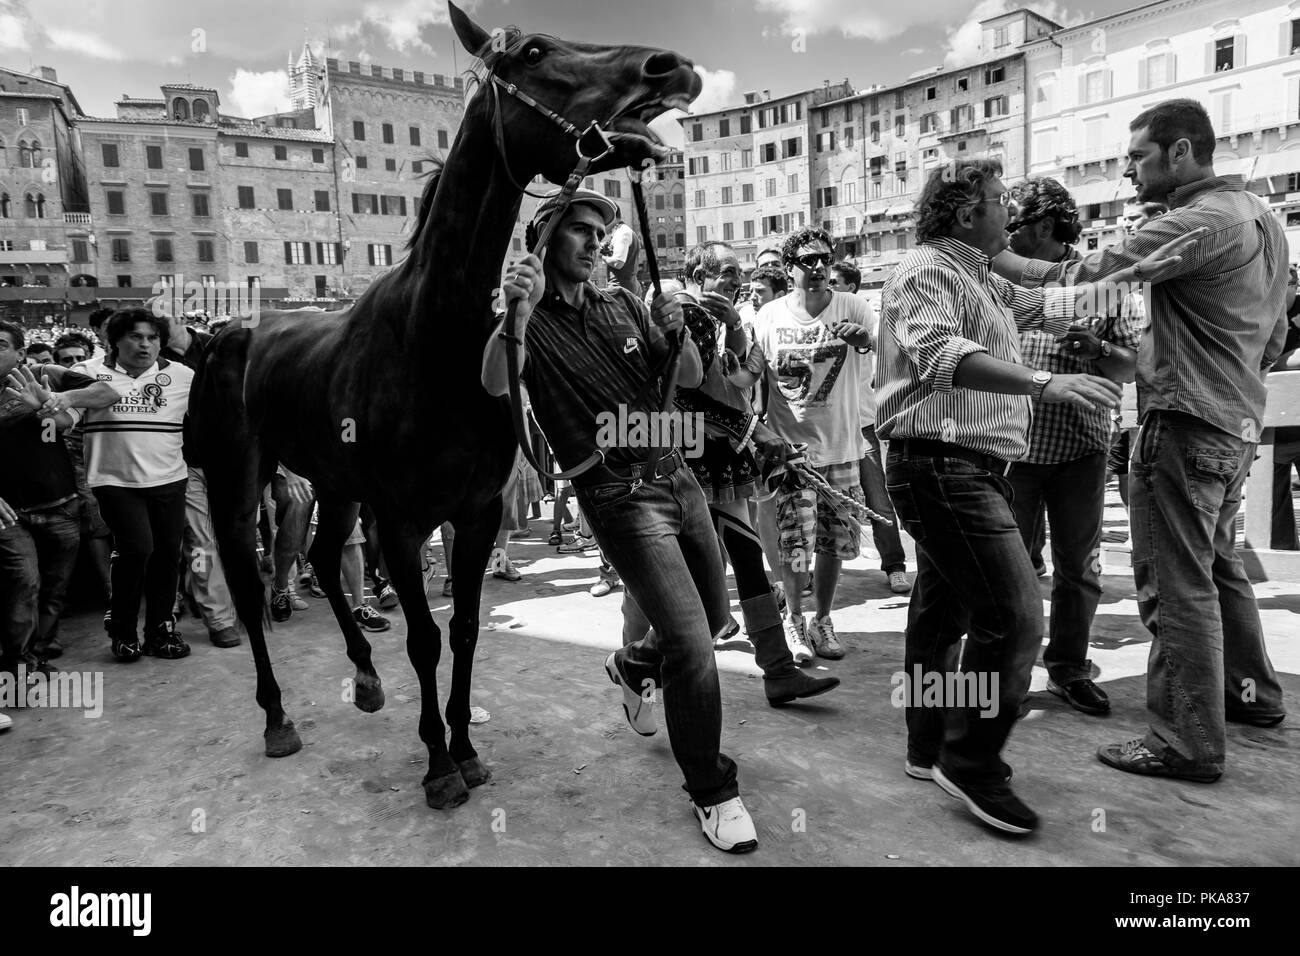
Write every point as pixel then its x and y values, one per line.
pixel 898 583
pixel 796 638
pixel 6 722
pixel 639 709
pixel 727 826
pixel 821 635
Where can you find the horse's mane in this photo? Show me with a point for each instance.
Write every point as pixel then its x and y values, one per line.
pixel 434 175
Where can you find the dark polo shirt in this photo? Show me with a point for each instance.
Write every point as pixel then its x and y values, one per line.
pixel 584 362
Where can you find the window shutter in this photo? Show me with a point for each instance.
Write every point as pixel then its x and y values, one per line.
pixel 356 203
pixel 1083 90
pixel 338 252
pixel 1239 51
pixel 1143 75
pixel 401 205
pixel 1284 38
pixel 1172 59
pixel 370 253
pixel 1209 58
pixel 1293 98
pixel 1108 84
pixel 388 254
pixel 306 253
pixel 288 254
pixel 320 252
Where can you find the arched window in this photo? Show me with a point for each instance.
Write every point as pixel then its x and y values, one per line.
pixel 200 111
pixel 35 150
pixel 29 206
pixel 24 154
pixel 40 205
pixel 180 108
pixel 4 206
pixel 4 158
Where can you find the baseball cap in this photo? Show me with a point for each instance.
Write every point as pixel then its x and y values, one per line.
pixel 605 206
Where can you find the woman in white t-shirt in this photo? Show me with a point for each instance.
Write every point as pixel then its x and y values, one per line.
pixel 135 467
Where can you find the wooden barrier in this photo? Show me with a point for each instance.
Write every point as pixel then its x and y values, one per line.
pixel 1262 562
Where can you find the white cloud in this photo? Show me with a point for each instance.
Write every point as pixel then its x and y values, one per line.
pixel 87 44
pixel 14 20
pixel 719 91
pixel 400 24
pixel 257 94
pixel 913 51
pixel 883 21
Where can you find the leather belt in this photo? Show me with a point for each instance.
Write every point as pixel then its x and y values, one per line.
pixel 929 448
pixel 631 474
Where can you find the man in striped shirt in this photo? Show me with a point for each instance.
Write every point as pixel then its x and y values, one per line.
pixel 955 405
pixel 1217 324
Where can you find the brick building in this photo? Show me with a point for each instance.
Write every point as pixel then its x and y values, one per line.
pixel 44 234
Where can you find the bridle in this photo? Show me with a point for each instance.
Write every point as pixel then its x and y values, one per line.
pixel 591 146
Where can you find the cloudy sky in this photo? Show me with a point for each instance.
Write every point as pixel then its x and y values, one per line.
pixel 104 48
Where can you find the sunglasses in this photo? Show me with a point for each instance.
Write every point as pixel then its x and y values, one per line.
pixel 1002 199
pixel 813 260
pixel 70 359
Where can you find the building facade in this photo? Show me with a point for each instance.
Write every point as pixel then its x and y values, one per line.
pixel 1239 58
pixel 748 173
pixel 44 211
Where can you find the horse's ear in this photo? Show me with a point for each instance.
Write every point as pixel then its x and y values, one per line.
pixel 472 36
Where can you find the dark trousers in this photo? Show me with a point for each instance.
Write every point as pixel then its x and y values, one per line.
pixel 148 525
pixel 973 577
pixel 37 556
pixel 662 543
pixel 1286 455
pixel 1074 493
pixel 871 472
pixel 1207 643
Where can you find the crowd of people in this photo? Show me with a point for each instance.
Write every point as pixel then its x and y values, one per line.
pixel 977 410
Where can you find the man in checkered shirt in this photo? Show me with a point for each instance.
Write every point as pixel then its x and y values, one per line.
pixel 1065 468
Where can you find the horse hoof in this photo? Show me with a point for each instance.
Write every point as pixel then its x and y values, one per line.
pixel 474 772
pixel 369 695
pixel 446 791
pixel 283 740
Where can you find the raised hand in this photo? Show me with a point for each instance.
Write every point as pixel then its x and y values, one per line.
pixel 1085 391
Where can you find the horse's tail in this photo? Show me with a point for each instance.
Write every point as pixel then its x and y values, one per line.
pixel 222 442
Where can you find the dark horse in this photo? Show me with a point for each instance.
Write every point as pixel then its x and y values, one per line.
pixel 381 403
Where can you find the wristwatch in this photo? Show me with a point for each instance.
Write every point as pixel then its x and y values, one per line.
pixel 1105 349
pixel 1041 379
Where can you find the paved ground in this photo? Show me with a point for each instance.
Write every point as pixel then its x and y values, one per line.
pixel 179 750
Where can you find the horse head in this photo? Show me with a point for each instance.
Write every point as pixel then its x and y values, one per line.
pixel 622 88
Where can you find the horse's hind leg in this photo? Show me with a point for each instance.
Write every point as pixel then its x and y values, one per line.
pixel 402 544
pixel 335 521
pixel 474 540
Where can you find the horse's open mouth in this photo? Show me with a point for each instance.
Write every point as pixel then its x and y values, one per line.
pixel 633 124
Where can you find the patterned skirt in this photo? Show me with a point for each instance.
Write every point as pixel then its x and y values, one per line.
pixel 725 475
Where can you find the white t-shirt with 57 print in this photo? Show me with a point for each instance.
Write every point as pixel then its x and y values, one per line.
pixel 818 376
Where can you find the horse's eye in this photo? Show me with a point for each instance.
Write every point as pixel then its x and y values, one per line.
pixel 533 55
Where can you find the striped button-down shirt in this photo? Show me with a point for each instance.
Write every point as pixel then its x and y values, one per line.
pixel 940 305
pixel 1064 432
pixel 1217 324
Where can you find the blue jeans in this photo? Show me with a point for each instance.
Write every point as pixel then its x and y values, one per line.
pixel 871 472
pixel 973 577
pixel 37 556
pixel 661 541
pixel 1075 495
pixel 1207 645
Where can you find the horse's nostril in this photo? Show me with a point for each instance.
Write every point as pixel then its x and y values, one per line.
pixel 661 64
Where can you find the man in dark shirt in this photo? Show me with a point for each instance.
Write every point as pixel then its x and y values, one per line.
pixel 1286 441
pixel 39 508
pixel 595 354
